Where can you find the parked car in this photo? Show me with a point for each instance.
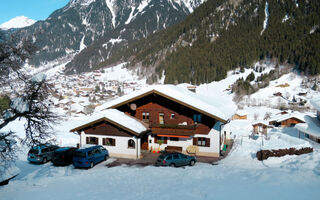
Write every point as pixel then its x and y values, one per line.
pixel 89 156
pixel 63 156
pixel 175 159
pixel 41 153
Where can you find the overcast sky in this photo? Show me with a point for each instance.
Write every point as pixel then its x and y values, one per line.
pixel 33 9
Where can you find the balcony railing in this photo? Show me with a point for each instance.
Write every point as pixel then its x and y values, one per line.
pixel 174 126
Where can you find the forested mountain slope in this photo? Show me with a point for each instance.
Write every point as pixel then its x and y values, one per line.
pixel 222 35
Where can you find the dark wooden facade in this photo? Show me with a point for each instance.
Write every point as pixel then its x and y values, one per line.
pixel 106 128
pixel 165 116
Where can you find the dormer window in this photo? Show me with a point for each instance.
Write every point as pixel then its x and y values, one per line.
pixel 172 116
pixel 197 118
pixel 145 116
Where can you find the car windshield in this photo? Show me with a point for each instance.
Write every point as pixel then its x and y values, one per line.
pixel 34 151
pixel 80 154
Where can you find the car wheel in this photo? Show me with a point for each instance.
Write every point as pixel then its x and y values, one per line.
pixel 192 162
pixel 91 164
pixel 44 160
pixel 172 165
pixel 105 157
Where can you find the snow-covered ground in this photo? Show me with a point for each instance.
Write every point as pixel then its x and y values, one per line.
pixel 239 176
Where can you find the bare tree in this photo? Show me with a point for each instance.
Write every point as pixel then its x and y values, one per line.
pixel 255 116
pixel 267 116
pixel 29 100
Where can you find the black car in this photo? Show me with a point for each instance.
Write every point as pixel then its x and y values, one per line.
pixel 175 159
pixel 63 156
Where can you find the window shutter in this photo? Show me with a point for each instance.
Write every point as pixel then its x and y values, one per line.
pixel 113 142
pixel 87 140
pixel 207 142
pixel 155 139
pixel 104 141
pixel 96 140
pixel 195 141
pixel 165 140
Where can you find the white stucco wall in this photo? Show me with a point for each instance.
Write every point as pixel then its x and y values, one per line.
pixel 185 142
pixel 121 145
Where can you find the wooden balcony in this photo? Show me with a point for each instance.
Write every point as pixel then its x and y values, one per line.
pixel 174 126
pixel 173 129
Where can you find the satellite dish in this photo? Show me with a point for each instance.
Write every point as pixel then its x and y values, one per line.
pixel 133 106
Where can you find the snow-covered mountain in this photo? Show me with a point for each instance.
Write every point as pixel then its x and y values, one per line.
pixel 81 23
pixel 17 22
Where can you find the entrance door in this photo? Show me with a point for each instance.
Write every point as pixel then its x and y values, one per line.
pixel 144 142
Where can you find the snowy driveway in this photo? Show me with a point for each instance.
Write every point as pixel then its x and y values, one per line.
pixel 292 179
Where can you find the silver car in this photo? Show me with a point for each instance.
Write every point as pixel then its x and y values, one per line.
pixel 41 153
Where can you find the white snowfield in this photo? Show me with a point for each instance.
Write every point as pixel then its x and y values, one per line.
pixel 17 22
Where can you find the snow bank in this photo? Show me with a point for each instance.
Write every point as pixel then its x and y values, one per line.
pixel 8 173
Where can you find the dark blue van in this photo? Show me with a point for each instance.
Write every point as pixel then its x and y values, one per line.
pixel 89 156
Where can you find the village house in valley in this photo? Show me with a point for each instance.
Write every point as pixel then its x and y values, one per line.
pixel 311 129
pixel 158 118
pixel 287 119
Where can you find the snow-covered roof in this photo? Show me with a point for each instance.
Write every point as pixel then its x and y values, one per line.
pixel 260 122
pixel 116 117
pixel 179 94
pixel 297 115
pixel 311 127
pixel 316 102
pixel 282 117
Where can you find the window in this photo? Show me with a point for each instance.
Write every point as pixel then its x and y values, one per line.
pixel 175 156
pixel 161 118
pixel 197 118
pixel 169 157
pixel 145 116
pixel 45 150
pixel 160 140
pixel 172 116
pixel 183 156
pixel 131 144
pixel 92 140
pixel 108 142
pixel 174 139
pixel 201 141
pixel 97 151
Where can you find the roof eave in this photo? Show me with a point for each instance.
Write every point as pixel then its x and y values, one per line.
pixel 171 98
pixel 108 120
